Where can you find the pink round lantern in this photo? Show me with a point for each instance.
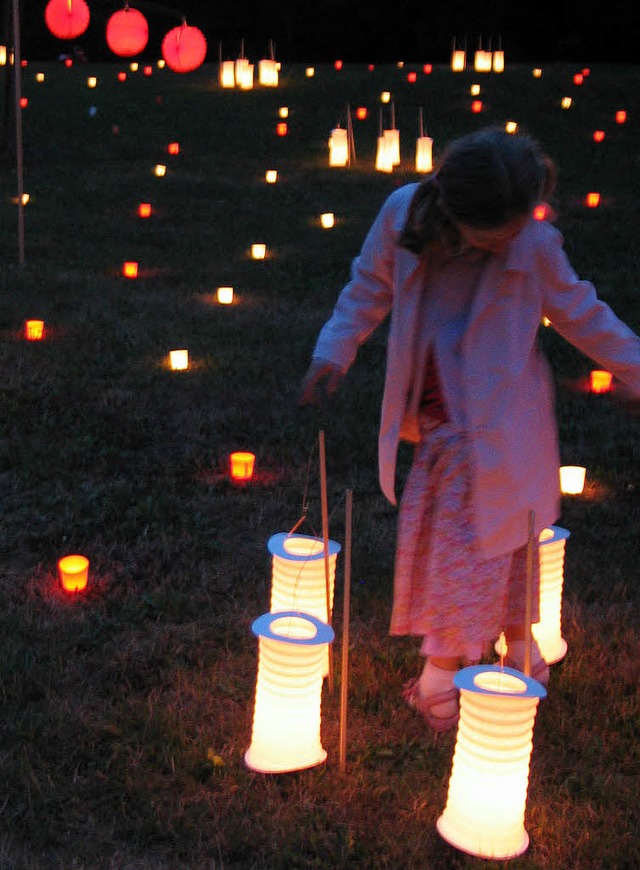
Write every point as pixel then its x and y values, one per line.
pixel 67 19
pixel 127 32
pixel 184 48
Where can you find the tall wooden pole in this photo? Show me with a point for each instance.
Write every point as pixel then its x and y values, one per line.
pixel 346 603
pixel 529 593
pixel 17 80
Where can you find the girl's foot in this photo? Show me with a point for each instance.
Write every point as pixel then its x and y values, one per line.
pixel 440 710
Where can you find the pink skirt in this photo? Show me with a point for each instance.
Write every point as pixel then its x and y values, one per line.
pixel 443 591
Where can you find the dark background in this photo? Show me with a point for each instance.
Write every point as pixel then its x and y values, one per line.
pixel 400 30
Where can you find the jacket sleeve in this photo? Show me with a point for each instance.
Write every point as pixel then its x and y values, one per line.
pixel 584 320
pixel 367 298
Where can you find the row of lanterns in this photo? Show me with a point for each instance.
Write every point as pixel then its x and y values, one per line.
pixel 486 799
pixel 184 48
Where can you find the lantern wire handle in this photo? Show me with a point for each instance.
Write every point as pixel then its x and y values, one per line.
pixel 529 588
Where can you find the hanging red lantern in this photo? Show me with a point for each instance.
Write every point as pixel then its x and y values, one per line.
pixel 184 48
pixel 127 32
pixel 67 19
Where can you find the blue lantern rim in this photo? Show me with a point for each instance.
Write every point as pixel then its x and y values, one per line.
pixel 262 627
pixel 276 547
pixel 465 680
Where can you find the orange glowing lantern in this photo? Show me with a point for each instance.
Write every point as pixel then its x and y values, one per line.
pixel 427 69
pixel 67 19
pixel 578 79
pixel 548 631
pixel 327 220
pixel 310 72
pixel 337 64
pixel 184 48
pixel 122 76
pixel 173 148
pixel 498 61
pixel 412 77
pixel 147 70
pixel 511 127
pixel 598 135
pixel 224 295
pixel 271 176
pixel 179 360
pixel 592 200
pixel 227 74
pixel 160 170
pixel 92 82
pixel 392 137
pixel 384 157
pixel 144 210
pixel 339 147
pixel 34 330
pixel 244 74
pixel 458 60
pixel 292 651
pixel 541 212
pixel 133 66
pixel 283 112
pixel 127 32
pixel 385 96
pixel 282 128
pixel 537 73
pixel 130 269
pixel 424 154
pixel 40 77
pixel 268 73
pixel 24 102
pixel 361 113
pixel 482 61
pixel 241 465
pixel 621 116
pixel 486 799
pixel 476 107
pixel 74 572
pixel 572 479
pixel 258 251
pixel 600 381
pixel 566 102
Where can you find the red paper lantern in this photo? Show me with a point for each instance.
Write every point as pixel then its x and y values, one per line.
pixel 127 32
pixel 67 19
pixel 184 48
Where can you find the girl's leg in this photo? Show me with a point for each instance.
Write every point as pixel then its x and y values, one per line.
pixel 515 636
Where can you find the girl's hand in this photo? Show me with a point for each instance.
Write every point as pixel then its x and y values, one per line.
pixel 320 370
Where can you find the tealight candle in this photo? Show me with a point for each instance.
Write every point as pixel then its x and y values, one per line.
pixel 74 572
pixel 327 220
pixel 173 148
pixel 572 479
pixel 92 81
pixel 34 330
pixel 224 295
pixel 241 464
pixel 160 169
pixel 385 96
pixel 271 176
pixel 144 209
pixel 283 111
pixel 566 102
pixel 130 269
pixel 258 251
pixel 179 360
pixel 600 381
pixel 310 72
pixel 593 200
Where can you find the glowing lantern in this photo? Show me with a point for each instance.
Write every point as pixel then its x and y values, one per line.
pixel 548 631
pixel 566 102
pixel 427 69
pixel 144 210
pixel 476 107
pixel 258 251
pixel 3 55
pixel 424 154
pixel 298 579
pixel 122 76
pixel 484 813
pixel 592 200
pixel 184 48
pixel 92 82
pixel 283 112
pixel 572 479
pixel 482 61
pixel 179 360
pixel 600 381
pixel 384 157
pixel 127 32
pixel 68 62
pixel 598 135
pixel 458 60
pixel 285 735
pixel 268 73
pixel 227 74
pixel 337 64
pixel 271 176
pixel 474 90
pixel 147 70
pixel 244 74
pixel 339 147
pixel 498 61
pixel 24 102
pixel 281 128
pixel 224 295
pixel 74 572
pixel 361 113
pixel 309 72
pixel 161 63
pixel 541 211
pixel 40 77
pixel 621 116
pixel 67 19
pixel 412 77
pixel 511 127
pixel 34 330
pixel 160 170
pixel 133 66
pixel 392 137
pixel 130 269
pixel 241 464
pixel 173 148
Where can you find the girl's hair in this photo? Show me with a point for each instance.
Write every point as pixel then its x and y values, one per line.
pixel 484 180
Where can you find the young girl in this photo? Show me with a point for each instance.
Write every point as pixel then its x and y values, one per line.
pixel 467 275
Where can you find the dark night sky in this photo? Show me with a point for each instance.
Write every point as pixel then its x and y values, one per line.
pixel 322 30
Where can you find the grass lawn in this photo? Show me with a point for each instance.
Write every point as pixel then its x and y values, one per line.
pixel 126 710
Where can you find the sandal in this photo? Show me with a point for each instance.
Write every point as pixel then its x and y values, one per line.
pixel 423 706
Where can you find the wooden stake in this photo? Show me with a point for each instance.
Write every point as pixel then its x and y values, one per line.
pixel 344 672
pixel 325 538
pixel 529 593
pixel 17 81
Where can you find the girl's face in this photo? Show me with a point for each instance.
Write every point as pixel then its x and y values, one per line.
pixel 496 239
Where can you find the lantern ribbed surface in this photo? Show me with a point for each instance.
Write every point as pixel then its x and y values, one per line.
pixel 338 147
pixel 424 154
pixel 287 713
pixel 298 579
pixel 548 631
pixel 484 813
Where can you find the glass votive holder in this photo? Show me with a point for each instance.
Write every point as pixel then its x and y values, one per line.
pixel 34 330
pixel 572 478
pixel 258 251
pixel 241 465
pixel 179 360
pixel 74 572
pixel 224 295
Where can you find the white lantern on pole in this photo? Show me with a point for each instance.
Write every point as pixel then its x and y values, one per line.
pixel 268 73
pixel 424 149
pixel 486 800
pixel 339 147
pixel 498 61
pixel 227 74
pixel 298 578
pixel 548 631
pixel 286 719
pixel 393 145
pixel 384 157
pixel 458 60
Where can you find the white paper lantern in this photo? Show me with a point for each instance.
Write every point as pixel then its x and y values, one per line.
pixel 227 74
pixel 498 61
pixel 292 650
pixel 458 60
pixel 268 73
pixel 548 631
pixel 298 578
pixel 486 800
pixel 393 144
pixel 572 479
pixel 339 147
pixel 482 61
pixel 384 157
pixel 424 154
